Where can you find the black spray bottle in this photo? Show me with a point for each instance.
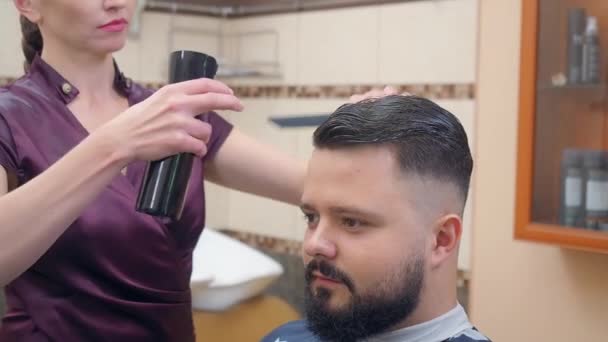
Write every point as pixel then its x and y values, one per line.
pixel 164 186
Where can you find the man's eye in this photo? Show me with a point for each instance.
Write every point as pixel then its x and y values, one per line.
pixel 311 219
pixel 352 223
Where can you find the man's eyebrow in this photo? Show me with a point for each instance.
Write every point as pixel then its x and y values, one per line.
pixel 355 211
pixel 344 210
pixel 306 207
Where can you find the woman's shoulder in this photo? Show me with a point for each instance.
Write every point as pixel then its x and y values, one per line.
pixel 14 94
pixel 140 91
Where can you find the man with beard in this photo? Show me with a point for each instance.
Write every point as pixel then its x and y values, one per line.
pixel 384 197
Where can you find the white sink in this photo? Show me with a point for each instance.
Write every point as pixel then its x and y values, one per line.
pixel 226 271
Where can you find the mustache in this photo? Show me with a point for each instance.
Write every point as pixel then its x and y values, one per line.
pixel 329 271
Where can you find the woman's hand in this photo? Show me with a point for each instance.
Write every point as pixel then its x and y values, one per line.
pixel 166 123
pixel 374 93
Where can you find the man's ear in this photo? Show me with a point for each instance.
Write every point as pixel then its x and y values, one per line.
pixel 27 9
pixel 446 238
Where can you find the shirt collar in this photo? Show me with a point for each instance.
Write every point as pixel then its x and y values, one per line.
pixel 64 89
pixel 438 329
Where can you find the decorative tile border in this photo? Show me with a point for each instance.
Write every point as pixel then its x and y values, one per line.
pixel 434 91
pixel 463 91
pixel 6 80
pixel 345 91
pixel 292 247
pixel 265 242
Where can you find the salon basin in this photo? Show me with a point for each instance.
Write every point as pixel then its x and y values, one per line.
pixel 226 272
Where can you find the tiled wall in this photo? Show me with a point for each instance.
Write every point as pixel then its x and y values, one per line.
pixel 419 42
pixel 425 47
pixel 11 60
pixel 146 58
pixel 253 214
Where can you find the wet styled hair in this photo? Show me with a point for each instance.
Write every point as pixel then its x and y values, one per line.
pixel 427 140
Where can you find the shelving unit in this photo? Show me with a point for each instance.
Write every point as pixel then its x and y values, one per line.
pixel 553 118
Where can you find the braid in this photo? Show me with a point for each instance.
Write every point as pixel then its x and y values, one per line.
pixel 31 41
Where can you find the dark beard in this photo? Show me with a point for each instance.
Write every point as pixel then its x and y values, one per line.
pixel 367 314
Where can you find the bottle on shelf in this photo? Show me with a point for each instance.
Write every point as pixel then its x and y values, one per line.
pixel 577 18
pixel 571 213
pixel 595 189
pixel 590 71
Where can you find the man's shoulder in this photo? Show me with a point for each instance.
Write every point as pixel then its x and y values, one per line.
pixel 469 335
pixel 295 331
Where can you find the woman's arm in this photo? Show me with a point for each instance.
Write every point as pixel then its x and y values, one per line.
pixel 245 164
pixel 34 215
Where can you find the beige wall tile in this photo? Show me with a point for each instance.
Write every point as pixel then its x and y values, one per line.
pixel 428 42
pixel 252 213
pixel 194 33
pixel 129 58
pixel 11 57
pixel 304 148
pixel 338 47
pixel 217 206
pixel 153 57
pixel 158 40
pixel 465 111
pixel 267 39
pixel 375 44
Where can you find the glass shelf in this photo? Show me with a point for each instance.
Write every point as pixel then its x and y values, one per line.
pixel 599 87
pixel 562 185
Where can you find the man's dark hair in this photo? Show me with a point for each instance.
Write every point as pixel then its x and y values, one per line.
pixel 427 140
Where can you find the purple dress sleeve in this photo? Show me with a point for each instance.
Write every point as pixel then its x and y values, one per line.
pixel 8 151
pixel 220 130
